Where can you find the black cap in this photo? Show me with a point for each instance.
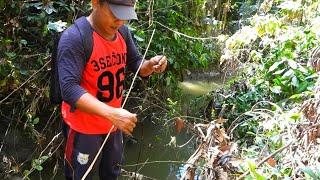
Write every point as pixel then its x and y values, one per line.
pixel 123 9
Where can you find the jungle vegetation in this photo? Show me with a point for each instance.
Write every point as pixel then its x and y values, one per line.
pixel 264 115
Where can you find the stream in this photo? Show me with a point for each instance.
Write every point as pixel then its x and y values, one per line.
pixel 153 138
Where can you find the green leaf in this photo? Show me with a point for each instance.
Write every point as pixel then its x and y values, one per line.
pixel 35 121
pixel 58 26
pixel 296 96
pixel 295 81
pixel 303 86
pixel 276 89
pixel 23 42
pixel 312 76
pixel 138 38
pixel 274 66
pixel 295 116
pixel 1 4
pixel 252 169
pixel 44 158
pixel 38 167
pixel 26 173
pixel 288 74
pixel 302 69
pixel 176 36
pixel 168 81
pixel 279 72
pixel 292 64
pixel 309 172
pixel 10 54
pixel 47 93
pixel 3 82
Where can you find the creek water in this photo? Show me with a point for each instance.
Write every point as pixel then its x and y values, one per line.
pixel 153 146
pixel 153 138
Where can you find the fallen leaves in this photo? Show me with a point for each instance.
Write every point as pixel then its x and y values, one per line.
pixel 215 148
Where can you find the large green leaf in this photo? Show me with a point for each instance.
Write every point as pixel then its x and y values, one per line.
pixel 253 171
pixel 309 172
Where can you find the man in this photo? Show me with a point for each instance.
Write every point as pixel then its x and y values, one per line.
pixel 92 88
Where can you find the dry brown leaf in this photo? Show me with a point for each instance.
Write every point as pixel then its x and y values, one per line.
pixel 220 120
pixel 225 148
pixel 272 162
pixel 312 136
pixel 219 135
pixel 179 124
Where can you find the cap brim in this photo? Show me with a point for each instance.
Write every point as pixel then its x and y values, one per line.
pixel 123 12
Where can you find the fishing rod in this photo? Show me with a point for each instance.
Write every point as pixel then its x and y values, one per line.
pixel 124 102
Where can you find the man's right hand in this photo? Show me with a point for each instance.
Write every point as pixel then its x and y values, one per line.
pixel 123 120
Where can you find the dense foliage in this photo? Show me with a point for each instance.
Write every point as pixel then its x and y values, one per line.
pixel 272 53
pixel 26 37
pixel 265 47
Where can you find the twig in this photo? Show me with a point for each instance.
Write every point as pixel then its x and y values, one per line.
pixel 153 104
pixel 143 165
pixel 187 36
pixel 133 174
pixel 266 159
pixel 150 12
pixel 25 81
pixel 154 162
pixel 5 135
pixel 49 155
pixel 54 138
pixel 51 117
pixel 186 142
pixel 234 123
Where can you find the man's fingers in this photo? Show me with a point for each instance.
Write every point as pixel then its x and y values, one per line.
pixel 163 60
pixel 132 125
pixel 127 132
pixel 156 66
pixel 134 119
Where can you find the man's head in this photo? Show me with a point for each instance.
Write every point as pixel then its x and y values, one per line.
pixel 122 9
pixel 110 15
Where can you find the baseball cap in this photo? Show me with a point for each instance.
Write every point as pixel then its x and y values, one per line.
pixel 123 9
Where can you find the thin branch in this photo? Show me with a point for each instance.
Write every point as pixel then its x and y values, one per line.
pixel 49 155
pixel 187 36
pixel 154 162
pixel 26 81
pixel 186 142
pixel 136 175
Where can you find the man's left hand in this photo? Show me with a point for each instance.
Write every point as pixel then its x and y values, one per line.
pixel 159 63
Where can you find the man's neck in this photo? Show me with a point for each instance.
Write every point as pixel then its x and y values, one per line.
pixel 99 30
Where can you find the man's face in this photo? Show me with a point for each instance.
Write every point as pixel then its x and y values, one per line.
pixel 107 20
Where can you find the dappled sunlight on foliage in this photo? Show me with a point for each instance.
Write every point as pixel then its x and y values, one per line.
pixel 262 124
